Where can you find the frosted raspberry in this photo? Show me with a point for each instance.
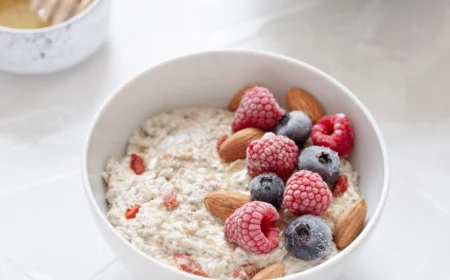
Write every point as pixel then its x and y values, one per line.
pixel 341 186
pixel 306 193
pixel 334 132
pixel 253 227
pixel 258 108
pixel 272 154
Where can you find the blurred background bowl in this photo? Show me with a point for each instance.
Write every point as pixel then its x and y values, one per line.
pixel 53 48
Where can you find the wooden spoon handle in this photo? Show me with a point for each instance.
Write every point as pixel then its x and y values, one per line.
pixel 35 5
pixel 64 10
pixel 48 9
pixel 83 4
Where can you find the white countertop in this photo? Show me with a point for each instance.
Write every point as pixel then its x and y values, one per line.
pixel 394 55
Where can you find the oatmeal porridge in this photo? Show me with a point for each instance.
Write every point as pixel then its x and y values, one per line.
pixel 180 167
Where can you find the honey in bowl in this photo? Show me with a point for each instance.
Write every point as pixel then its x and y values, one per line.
pixel 18 14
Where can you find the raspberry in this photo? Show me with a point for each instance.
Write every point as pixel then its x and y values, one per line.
pixel 132 211
pixel 306 193
pixel 341 186
pixel 334 132
pixel 258 108
pixel 272 154
pixel 253 227
pixel 188 264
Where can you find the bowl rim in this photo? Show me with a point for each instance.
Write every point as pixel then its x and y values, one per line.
pixel 51 28
pixel 369 227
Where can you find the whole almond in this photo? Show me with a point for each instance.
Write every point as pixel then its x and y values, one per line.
pixel 350 224
pixel 235 146
pixel 234 102
pixel 298 99
pixel 223 203
pixel 271 272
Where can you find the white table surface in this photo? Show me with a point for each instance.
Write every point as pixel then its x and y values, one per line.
pixel 394 55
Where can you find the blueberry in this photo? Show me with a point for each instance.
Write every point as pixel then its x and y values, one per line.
pixel 308 237
pixel 267 187
pixel 295 125
pixel 323 161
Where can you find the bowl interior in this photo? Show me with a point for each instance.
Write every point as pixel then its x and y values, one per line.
pixel 210 79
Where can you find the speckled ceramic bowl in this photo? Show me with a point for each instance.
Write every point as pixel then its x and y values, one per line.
pixel 45 50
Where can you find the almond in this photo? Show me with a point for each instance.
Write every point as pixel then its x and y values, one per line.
pixel 272 271
pixel 350 224
pixel 298 99
pixel 223 203
pixel 235 146
pixel 234 102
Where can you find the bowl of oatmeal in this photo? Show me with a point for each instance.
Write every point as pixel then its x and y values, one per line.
pixel 235 164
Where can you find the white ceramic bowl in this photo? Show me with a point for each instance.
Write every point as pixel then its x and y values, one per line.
pixel 53 48
pixel 210 79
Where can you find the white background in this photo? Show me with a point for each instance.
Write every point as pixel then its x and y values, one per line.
pixel 393 54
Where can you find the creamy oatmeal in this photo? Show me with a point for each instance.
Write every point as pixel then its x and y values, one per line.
pixel 180 151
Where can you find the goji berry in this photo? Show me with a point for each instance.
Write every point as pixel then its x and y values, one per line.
pixel 341 186
pixel 132 211
pixel 188 264
pixel 137 164
pixel 246 271
pixel 170 200
pixel 221 140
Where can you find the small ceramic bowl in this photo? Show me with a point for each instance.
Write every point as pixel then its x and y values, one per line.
pixel 53 48
pixel 210 79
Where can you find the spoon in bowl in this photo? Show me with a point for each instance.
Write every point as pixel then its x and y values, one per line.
pixel 56 11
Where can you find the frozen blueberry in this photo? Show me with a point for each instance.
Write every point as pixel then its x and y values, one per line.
pixel 323 161
pixel 295 125
pixel 308 237
pixel 267 187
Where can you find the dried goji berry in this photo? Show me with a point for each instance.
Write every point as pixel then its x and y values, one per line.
pixel 137 164
pixel 132 211
pixel 341 186
pixel 188 264
pixel 170 200
pixel 221 140
pixel 246 271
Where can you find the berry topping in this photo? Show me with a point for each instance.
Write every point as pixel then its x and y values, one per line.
pixel 308 237
pixel 246 271
pixel 188 264
pixel 170 200
pixel 253 227
pixel 306 193
pixel 341 186
pixel 272 154
pixel 295 125
pixel 267 187
pixel 334 132
pixel 137 164
pixel 132 211
pixel 258 108
pixel 323 161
